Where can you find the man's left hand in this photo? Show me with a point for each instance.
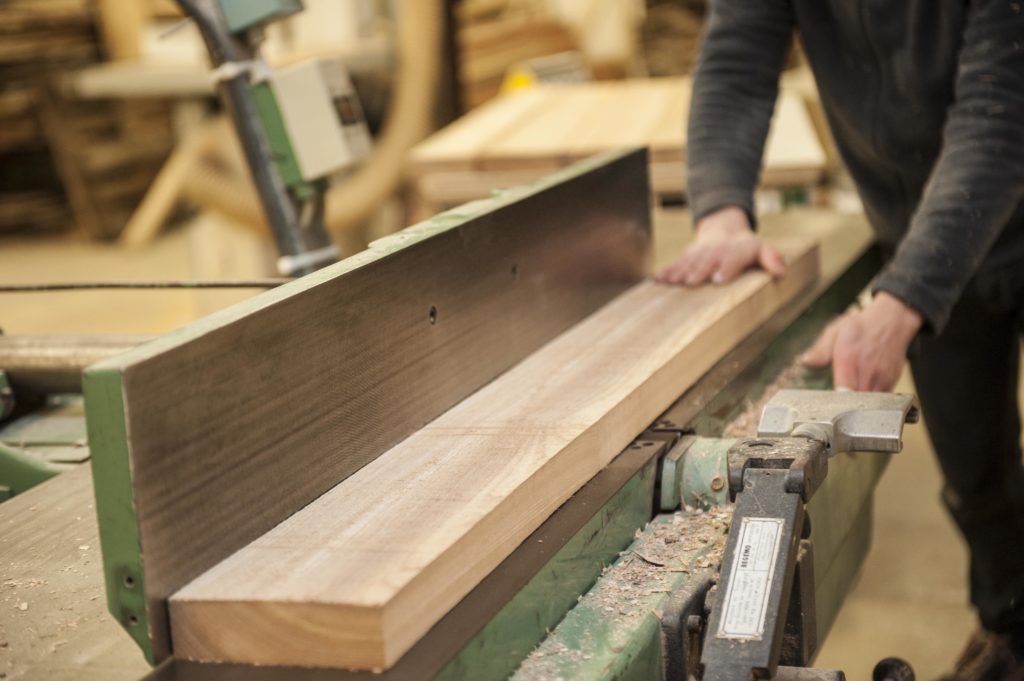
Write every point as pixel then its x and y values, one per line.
pixel 867 348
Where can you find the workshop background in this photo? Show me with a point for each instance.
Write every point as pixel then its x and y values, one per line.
pixel 116 164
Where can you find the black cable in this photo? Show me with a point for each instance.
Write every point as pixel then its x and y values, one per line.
pixel 92 285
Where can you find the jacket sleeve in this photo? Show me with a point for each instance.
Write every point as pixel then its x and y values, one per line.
pixel 978 180
pixel 734 89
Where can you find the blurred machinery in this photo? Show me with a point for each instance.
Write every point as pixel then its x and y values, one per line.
pixel 296 125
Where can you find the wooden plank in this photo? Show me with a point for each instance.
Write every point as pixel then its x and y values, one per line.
pixel 208 437
pixel 542 140
pixel 627 116
pixel 793 144
pixel 358 576
pixel 459 144
pixel 668 139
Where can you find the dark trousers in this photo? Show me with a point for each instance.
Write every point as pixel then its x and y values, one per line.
pixel 967 382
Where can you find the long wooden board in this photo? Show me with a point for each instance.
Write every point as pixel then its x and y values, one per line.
pixel 358 576
pixel 206 438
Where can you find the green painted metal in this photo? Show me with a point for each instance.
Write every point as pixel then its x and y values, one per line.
pixel 695 474
pixel 20 472
pixel 704 481
pixel 672 473
pixel 501 645
pixel 277 137
pixel 241 15
pixel 33 446
pixel 115 507
pixel 840 511
pixel 53 432
pixel 832 585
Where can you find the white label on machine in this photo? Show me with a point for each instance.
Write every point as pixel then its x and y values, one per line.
pixel 746 601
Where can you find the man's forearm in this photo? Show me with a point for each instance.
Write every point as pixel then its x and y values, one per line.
pixel 734 90
pixel 978 181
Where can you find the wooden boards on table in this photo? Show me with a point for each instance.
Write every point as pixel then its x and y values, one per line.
pixel 207 437
pixel 524 134
pixel 356 577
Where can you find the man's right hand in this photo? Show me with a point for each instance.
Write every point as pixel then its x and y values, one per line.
pixel 725 247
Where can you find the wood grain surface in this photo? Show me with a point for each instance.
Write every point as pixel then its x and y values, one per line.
pixel 358 576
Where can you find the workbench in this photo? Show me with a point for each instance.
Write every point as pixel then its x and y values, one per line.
pixel 525 134
pixel 55 625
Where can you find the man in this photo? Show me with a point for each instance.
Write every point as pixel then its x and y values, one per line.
pixel 925 99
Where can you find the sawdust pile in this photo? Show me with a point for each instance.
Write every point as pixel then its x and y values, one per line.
pixel 745 425
pixel 634 587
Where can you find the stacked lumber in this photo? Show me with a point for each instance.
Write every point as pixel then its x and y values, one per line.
pixel 107 153
pixel 37 37
pixel 520 136
pixel 65 160
pixel 495 35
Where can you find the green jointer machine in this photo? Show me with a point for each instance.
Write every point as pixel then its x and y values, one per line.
pixel 719 545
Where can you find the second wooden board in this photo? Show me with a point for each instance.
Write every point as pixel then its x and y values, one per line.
pixel 358 576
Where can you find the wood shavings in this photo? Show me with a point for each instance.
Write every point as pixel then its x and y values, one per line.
pixel 647 560
pixel 745 425
pixel 632 589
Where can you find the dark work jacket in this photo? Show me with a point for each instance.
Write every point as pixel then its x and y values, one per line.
pixel 925 99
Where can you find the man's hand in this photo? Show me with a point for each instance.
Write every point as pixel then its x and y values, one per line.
pixel 867 348
pixel 725 246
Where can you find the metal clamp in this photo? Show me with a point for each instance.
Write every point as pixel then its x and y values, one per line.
pixel 844 421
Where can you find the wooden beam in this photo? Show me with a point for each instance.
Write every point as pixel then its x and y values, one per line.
pixel 205 438
pixel 358 576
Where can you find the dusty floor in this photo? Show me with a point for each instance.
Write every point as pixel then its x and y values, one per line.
pixel 909 602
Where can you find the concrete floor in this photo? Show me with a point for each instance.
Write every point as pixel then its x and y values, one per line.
pixel 911 598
